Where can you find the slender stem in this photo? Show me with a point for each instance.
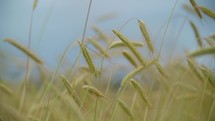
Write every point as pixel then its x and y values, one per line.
pixel 86 22
pixel 167 26
pixel 108 86
pixel 26 81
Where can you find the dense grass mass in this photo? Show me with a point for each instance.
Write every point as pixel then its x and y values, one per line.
pixel 181 90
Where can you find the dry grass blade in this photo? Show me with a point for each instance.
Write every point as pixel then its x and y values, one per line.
pixel 196 8
pixel 99 48
pixel 6 89
pixel 146 35
pixel 125 108
pixel 129 58
pixel 203 51
pixel 71 90
pixel 24 49
pixel 208 12
pixel 197 35
pixel 141 92
pixel 134 72
pixel 116 44
pixel 161 70
pixel 88 59
pixel 194 69
pixel 93 90
pixel 130 45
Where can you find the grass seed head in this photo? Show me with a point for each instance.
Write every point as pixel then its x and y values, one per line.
pixel 196 8
pixel 146 35
pixel 24 50
pixel 141 92
pixel 125 108
pixel 93 90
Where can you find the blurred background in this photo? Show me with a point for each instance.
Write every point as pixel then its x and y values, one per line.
pixel 57 23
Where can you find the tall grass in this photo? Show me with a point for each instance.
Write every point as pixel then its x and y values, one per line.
pixel 179 91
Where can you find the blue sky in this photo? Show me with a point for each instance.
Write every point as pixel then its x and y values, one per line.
pixel 59 22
